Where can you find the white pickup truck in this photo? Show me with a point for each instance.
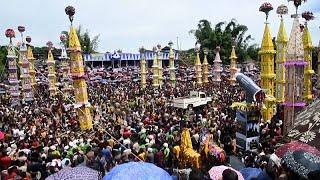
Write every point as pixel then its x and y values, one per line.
pixel 195 99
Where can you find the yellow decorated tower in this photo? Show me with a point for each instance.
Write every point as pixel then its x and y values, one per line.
pixel 51 71
pixel 77 71
pixel 307 46
pixel 160 68
pixel 155 77
pixel 172 68
pixel 143 69
pixel 31 59
pixel 233 64
pixel 205 67
pixel 267 68
pixel 198 65
pixel 282 41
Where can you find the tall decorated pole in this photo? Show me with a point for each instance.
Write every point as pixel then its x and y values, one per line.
pixel 294 73
pixel 205 66
pixel 27 94
pixel 77 71
pixel 143 69
pixel 198 64
pixel 217 66
pixel 51 70
pixel 12 70
pixel 267 67
pixel 66 77
pixel 233 63
pixel 31 59
pixel 282 41
pixel 172 68
pixel 307 45
pixel 160 68
pixel 155 76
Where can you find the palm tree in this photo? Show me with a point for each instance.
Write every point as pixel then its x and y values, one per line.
pixel 221 35
pixel 88 44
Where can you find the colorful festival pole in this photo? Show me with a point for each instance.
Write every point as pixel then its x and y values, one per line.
pixel 172 68
pixel 31 59
pixel 307 45
pixel 66 77
pixel 282 41
pixel 51 70
pixel 143 69
pixel 160 68
pixel 294 64
pixel 233 64
pixel 155 77
pixel 198 64
pixel 27 94
pixel 12 70
pixel 267 67
pixel 77 71
pixel 217 67
pixel 205 66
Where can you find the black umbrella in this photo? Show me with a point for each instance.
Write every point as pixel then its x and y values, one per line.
pixel 302 162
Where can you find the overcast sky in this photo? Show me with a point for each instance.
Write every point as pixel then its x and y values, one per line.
pixel 129 24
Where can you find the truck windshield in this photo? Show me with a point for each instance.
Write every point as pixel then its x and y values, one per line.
pixel 202 95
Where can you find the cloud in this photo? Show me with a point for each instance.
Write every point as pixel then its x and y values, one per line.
pixel 129 24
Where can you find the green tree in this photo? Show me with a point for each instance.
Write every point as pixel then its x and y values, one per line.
pixel 222 34
pixel 88 44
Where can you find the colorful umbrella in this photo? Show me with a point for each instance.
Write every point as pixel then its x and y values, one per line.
pixel 137 171
pixel 76 173
pixel 250 173
pixel 294 146
pixel 216 172
pixel 302 162
pixel 1 135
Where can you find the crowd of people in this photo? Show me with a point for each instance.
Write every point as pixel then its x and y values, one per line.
pixel 130 124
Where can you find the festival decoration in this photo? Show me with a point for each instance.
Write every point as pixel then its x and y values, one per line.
pixel 297 3
pixel 155 77
pixel 205 67
pixel 12 70
pixel 198 64
pixel 233 63
pixel 294 64
pixel 77 71
pixel 24 69
pixel 267 67
pixel 266 8
pixel 307 45
pixel 160 68
pixel 217 66
pixel 66 77
pixel 51 70
pixel 31 60
pixel 282 40
pixel 143 69
pixel 171 65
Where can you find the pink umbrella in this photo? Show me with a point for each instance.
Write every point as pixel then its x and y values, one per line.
pixel 294 146
pixel 1 135
pixel 216 172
